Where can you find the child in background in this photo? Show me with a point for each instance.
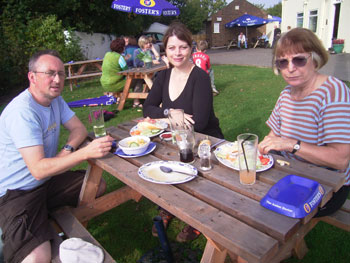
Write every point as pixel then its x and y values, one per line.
pixel 202 60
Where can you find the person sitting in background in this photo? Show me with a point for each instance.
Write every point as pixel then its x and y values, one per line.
pixel 202 60
pixel 265 38
pixel 145 46
pixel 154 44
pixel 311 119
pixel 130 47
pixel 242 40
pixel 35 178
pixel 182 86
pixel 114 62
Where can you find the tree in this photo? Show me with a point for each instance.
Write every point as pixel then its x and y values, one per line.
pixel 275 10
pixel 194 12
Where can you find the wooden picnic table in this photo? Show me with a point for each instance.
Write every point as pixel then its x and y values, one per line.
pixel 81 66
pixel 227 213
pixel 138 73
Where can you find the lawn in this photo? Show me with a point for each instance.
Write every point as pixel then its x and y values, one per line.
pixel 247 97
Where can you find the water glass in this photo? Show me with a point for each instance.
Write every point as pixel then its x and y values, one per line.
pixel 97 120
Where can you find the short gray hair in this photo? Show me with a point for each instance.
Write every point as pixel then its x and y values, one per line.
pixel 37 55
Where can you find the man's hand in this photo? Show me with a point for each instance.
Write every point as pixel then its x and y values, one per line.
pixel 98 147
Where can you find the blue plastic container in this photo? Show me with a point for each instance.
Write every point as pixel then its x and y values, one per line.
pixel 293 196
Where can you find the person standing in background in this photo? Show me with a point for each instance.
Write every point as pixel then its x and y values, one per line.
pixel 276 35
pixel 202 60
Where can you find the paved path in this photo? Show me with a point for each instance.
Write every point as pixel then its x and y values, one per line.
pixel 338 64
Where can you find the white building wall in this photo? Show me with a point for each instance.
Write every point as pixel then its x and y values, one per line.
pixel 344 24
pixel 325 18
pixel 94 45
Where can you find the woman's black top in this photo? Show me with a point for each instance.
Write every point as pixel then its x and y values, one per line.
pixel 196 99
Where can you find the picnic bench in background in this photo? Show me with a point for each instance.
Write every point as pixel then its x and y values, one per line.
pixel 76 70
pixel 138 73
pixel 232 43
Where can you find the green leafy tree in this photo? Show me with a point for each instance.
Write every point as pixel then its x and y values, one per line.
pixel 275 10
pixel 21 38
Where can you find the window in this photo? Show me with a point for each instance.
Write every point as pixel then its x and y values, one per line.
pixel 313 21
pixel 300 19
pixel 217 28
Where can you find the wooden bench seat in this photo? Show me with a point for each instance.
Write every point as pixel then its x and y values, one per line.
pixel 71 227
pixel 341 218
pixel 84 76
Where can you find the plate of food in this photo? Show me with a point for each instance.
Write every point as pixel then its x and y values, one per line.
pixel 149 128
pixel 151 172
pixel 150 148
pixel 227 154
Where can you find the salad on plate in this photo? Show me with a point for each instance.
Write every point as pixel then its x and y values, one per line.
pixel 149 127
pixel 227 154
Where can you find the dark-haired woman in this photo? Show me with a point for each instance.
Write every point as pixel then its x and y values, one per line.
pixel 113 62
pixel 182 86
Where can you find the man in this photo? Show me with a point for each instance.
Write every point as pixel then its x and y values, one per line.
pixel 242 40
pixel 265 38
pixel 34 178
pixel 276 35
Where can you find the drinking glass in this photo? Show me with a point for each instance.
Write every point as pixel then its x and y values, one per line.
pixel 185 141
pixel 247 153
pixel 176 120
pixel 97 120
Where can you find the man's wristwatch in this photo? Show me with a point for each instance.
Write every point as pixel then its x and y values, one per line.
pixel 68 147
pixel 296 147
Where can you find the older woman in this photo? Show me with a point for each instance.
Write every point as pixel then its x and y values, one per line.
pixel 145 46
pixel 113 62
pixel 311 119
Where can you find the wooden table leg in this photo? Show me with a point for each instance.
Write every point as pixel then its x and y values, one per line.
pixel 125 92
pixel 90 185
pixel 213 253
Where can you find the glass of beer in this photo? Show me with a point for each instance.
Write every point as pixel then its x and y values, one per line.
pixel 185 140
pixel 97 120
pixel 247 154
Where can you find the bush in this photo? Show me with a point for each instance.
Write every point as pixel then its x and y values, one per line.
pixel 20 40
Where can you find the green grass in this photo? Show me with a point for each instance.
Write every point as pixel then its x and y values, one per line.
pixel 247 97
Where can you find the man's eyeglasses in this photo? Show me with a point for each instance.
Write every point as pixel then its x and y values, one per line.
pixel 298 61
pixel 52 74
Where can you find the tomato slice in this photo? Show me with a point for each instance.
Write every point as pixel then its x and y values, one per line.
pixel 263 160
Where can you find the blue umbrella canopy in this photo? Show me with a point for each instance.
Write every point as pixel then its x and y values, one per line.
pixel 274 19
pixel 146 7
pixel 247 20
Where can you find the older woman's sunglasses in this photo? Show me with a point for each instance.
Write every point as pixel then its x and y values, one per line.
pixel 298 61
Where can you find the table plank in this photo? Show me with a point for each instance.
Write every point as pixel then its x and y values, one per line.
pixel 209 220
pixel 243 208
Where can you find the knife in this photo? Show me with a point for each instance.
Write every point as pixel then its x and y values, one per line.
pixel 213 147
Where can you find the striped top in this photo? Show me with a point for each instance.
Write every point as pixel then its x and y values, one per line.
pixel 321 117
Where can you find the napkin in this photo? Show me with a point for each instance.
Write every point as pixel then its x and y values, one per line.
pixel 76 250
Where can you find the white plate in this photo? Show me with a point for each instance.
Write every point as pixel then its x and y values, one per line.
pixel 150 148
pixel 232 160
pixel 160 123
pixel 151 172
